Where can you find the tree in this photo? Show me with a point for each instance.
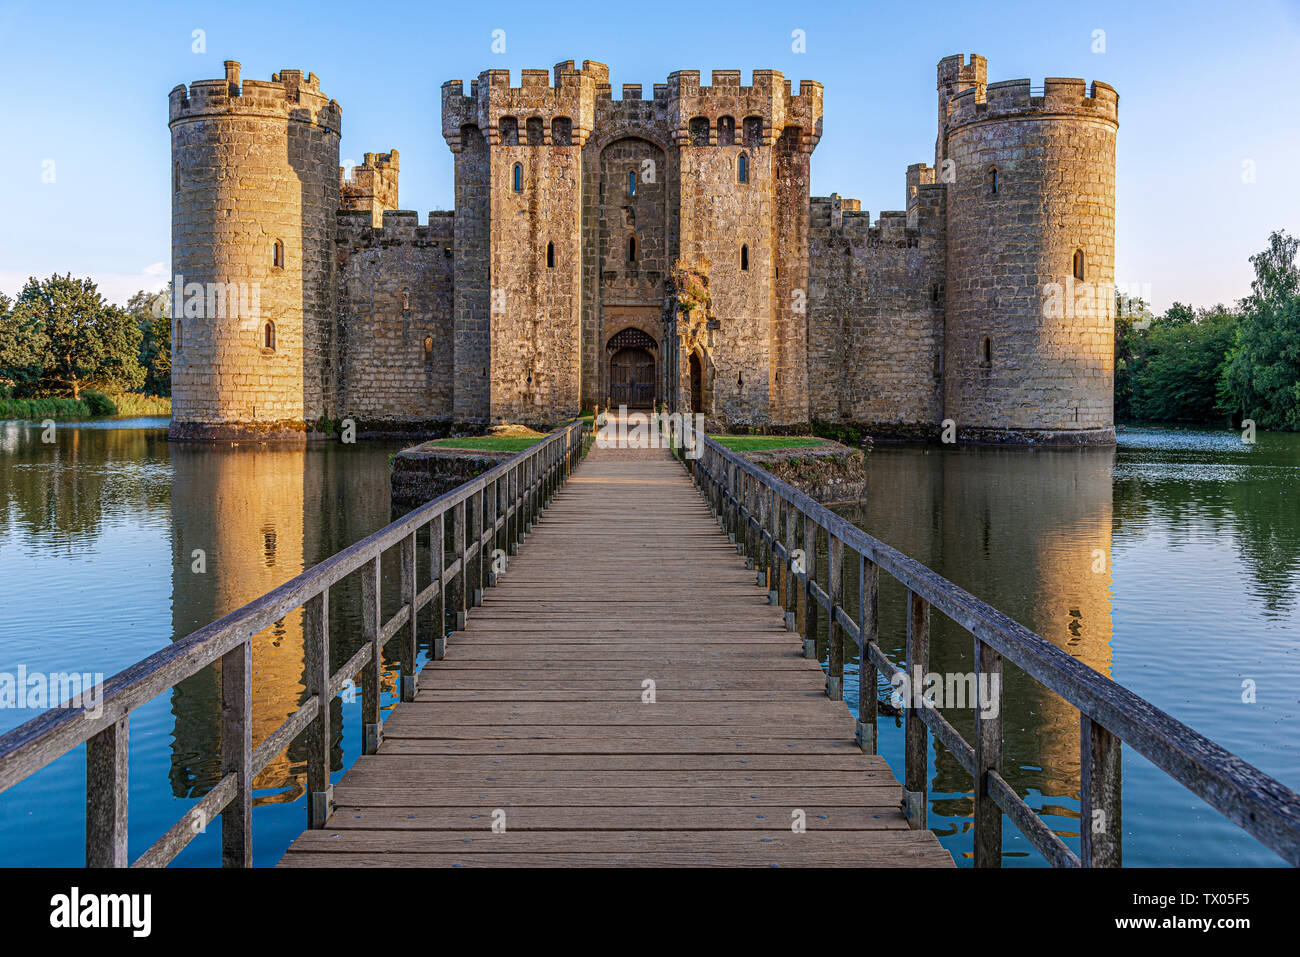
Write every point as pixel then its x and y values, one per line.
pixel 152 313
pixel 1261 380
pixel 89 343
pixel 22 351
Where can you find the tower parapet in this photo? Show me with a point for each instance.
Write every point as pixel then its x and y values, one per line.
pixel 1030 176
pixel 255 193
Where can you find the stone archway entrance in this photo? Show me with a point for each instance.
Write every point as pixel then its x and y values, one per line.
pixel 633 381
pixel 697 383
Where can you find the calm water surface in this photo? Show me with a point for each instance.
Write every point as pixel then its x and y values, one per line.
pixel 1202 534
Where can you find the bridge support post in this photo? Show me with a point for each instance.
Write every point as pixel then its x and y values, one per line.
pixel 791 579
pixel 437 565
pixel 810 604
pixel 479 565
pixel 410 641
pixel 372 728
pixel 916 748
pixel 988 754
pixel 106 794
pixel 320 795
pixel 868 700
pixel 834 630
pixel 1101 837
pixel 458 591
pixel 237 754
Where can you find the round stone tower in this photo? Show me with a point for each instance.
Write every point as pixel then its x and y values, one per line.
pixel 1029 343
pixel 255 190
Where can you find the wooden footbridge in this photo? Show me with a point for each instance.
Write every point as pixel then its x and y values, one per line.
pixel 638 687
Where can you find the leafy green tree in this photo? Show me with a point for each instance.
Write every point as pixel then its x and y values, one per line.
pixel 22 351
pixel 152 313
pixel 1183 355
pixel 1261 380
pixel 90 344
pixel 1131 316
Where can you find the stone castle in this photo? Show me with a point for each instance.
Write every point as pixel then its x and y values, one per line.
pixel 647 251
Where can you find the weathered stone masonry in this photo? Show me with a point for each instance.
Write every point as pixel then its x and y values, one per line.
pixel 548 290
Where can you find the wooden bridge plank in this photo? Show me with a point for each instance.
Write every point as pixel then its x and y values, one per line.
pixel 537 712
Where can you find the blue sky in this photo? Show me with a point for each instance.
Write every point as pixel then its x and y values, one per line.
pixel 1207 92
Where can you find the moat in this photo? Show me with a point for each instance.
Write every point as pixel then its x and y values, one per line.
pixel 99 530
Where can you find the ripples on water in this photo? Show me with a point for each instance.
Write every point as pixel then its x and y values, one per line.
pixel 1202 534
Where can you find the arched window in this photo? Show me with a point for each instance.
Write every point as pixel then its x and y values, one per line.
pixel 1078 264
pixel 742 169
pixel 631 182
pixel 726 131
pixel 268 335
pixel 518 180
pixel 509 129
pixel 277 254
pixel 534 128
pixel 550 255
pixel 406 300
pixel 986 351
pixel 631 249
pixel 700 131
pixel 993 180
pixel 744 257
pixel 428 348
pixel 753 131
pixel 561 131
pixel 179 338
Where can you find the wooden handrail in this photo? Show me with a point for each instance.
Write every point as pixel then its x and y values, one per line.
pixel 518 490
pixel 1109 712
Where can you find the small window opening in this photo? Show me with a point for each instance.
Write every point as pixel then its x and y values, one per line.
pixel 268 335
pixel 519 178
pixel 631 182
pixel 986 351
pixel 742 169
pixel 1078 264
pixel 993 181
pixel 406 300
pixel 277 254
pixel 744 257
pixel 179 338
pixel 428 348
pixel 550 255
pixel 631 249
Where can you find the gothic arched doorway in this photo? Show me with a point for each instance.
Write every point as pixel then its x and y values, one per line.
pixel 697 383
pixel 632 380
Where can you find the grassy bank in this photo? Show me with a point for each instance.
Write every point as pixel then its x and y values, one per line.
pixel 90 405
pixel 490 443
pixel 765 443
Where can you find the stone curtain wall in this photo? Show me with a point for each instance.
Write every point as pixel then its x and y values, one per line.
pixel 253 165
pixel 396 292
pixel 875 328
pixel 1054 156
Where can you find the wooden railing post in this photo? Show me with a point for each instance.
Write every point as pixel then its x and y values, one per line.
pixel 988 754
pixel 512 511
pixel 835 631
pixel 1101 834
pixel 237 754
pixel 106 796
pixel 774 529
pixel 320 795
pixel 916 750
pixel 791 579
pixel 437 565
pixel 810 624
pixel 372 729
pixel 478 566
pixel 459 593
pixel 490 576
pixel 868 632
pixel 411 642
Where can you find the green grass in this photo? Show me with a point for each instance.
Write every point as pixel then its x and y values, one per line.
pixel 90 405
pixel 765 443
pixel 491 443
pixel 41 409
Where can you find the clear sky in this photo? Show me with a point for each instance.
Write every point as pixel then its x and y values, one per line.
pixel 1208 97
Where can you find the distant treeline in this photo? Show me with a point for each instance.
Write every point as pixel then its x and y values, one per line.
pixel 65 352
pixel 1217 364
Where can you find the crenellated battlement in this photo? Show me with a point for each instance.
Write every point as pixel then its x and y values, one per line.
pixel 399 226
pixel 1012 98
pixel 287 94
